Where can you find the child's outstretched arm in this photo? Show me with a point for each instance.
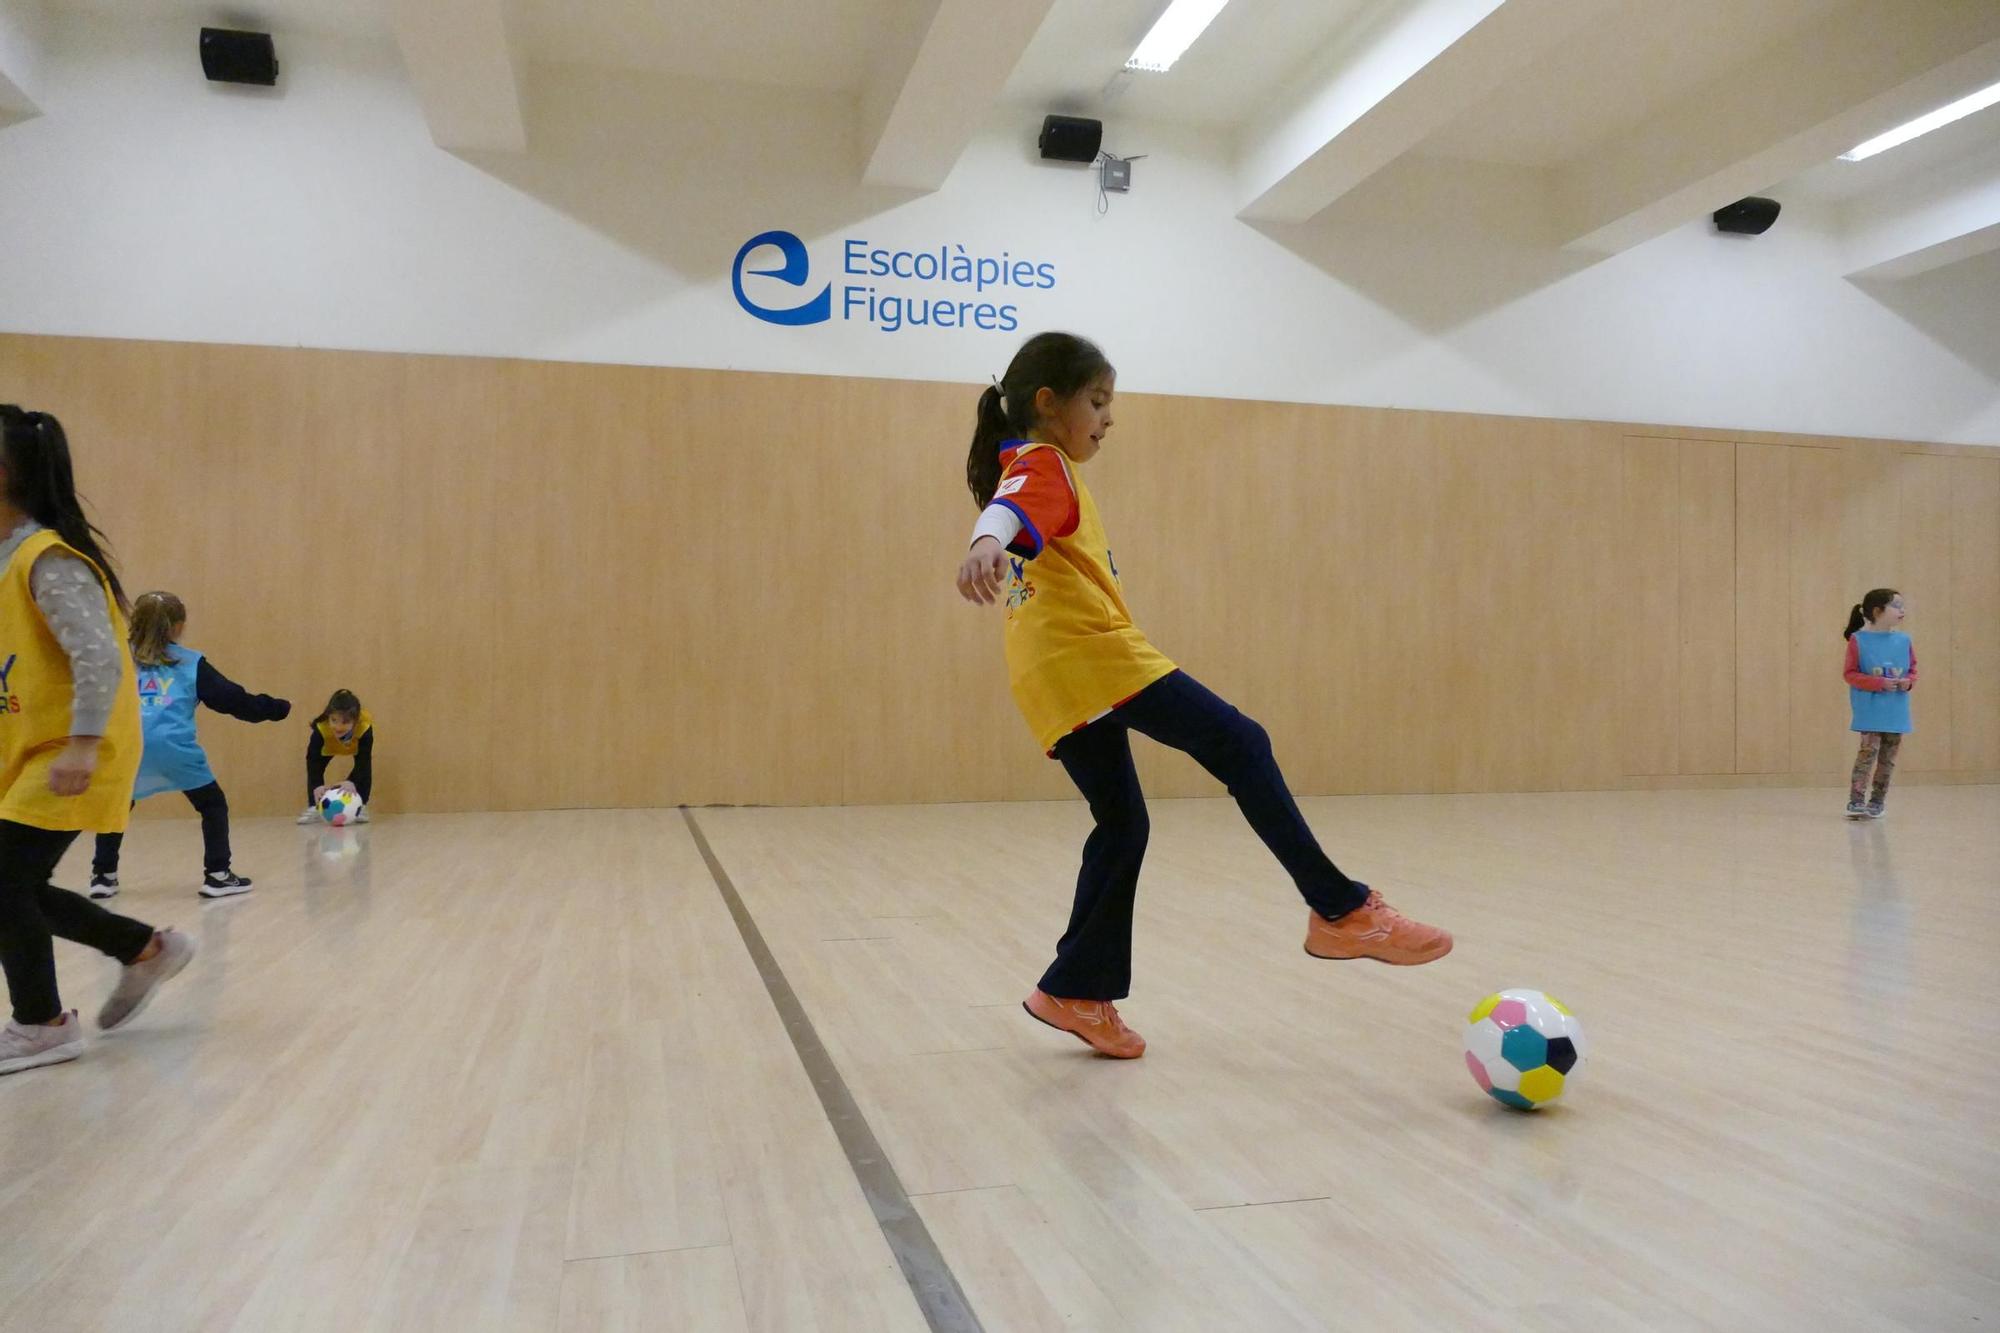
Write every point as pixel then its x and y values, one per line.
pixel 225 696
pixel 1035 496
pixel 983 572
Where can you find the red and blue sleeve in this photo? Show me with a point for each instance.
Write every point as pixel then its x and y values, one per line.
pixel 1036 487
pixel 1858 678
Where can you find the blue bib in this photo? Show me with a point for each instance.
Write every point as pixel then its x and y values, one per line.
pixel 1882 710
pixel 173 759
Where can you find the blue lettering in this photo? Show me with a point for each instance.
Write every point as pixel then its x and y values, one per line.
pixel 1008 319
pixel 8 670
pixel 853 253
pixel 1048 272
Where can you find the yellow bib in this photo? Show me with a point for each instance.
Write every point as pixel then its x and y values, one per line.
pixel 1072 650
pixel 36 692
pixel 331 745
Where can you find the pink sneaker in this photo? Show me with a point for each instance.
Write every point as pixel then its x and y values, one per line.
pixel 1093 1022
pixel 137 982
pixel 32 1045
pixel 1376 930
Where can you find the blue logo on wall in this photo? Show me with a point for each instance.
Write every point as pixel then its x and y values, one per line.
pixel 793 270
pixel 975 295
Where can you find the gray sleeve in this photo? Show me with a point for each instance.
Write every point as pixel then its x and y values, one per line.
pixel 72 601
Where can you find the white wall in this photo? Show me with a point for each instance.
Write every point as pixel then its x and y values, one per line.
pixel 146 203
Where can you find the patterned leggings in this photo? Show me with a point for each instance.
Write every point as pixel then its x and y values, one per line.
pixel 1878 755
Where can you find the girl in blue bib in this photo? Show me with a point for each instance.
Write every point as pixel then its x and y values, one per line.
pixel 172 680
pixel 1881 670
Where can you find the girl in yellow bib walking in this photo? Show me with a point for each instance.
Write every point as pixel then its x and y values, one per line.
pixel 1085 677
pixel 69 747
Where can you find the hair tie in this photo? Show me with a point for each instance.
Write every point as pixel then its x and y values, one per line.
pixel 998 387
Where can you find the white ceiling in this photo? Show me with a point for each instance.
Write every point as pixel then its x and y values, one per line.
pixel 817 44
pixel 824 45
pixel 1571 79
pixel 1252 50
pixel 337 18
pixel 1629 64
pixel 1966 140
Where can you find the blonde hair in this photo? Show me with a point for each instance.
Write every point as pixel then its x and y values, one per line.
pixel 155 617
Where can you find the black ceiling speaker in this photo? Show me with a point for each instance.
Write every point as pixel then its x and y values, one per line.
pixel 228 56
pixel 1070 139
pixel 1747 217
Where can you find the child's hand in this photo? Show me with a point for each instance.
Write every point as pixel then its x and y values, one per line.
pixel 319 794
pixel 70 774
pixel 350 789
pixel 982 573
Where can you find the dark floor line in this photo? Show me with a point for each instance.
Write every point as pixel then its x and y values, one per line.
pixel 1261 1203
pixel 931 1280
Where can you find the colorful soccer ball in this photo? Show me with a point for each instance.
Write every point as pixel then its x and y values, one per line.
pixel 1523 1047
pixel 339 807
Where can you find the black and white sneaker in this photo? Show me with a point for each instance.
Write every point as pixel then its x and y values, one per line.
pixel 104 886
pixel 223 884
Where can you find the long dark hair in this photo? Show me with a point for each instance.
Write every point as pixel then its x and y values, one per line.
pixel 1865 609
pixel 41 482
pixel 1059 362
pixel 342 702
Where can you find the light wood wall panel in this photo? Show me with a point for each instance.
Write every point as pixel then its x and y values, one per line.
pixel 1763 609
pixel 1650 555
pixel 1830 571
pixel 572 585
pixel 1707 675
pixel 1920 537
pixel 1975 592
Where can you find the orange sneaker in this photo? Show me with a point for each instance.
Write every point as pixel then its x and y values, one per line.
pixel 1376 930
pixel 1094 1022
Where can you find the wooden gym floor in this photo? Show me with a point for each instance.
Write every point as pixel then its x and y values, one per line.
pixel 522 1072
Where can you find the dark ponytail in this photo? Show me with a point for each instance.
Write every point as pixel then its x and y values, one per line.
pixel 41 483
pixel 1062 363
pixel 1865 609
pixel 982 463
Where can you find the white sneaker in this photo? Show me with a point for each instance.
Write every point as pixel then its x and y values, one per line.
pixel 223 884
pixel 104 886
pixel 362 818
pixel 138 981
pixel 311 816
pixel 31 1045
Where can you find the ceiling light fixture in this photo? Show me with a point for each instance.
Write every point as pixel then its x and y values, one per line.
pixel 1173 33
pixel 1944 115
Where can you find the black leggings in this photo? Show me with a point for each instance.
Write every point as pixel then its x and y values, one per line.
pixel 34 911
pixel 210 804
pixel 1094 958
